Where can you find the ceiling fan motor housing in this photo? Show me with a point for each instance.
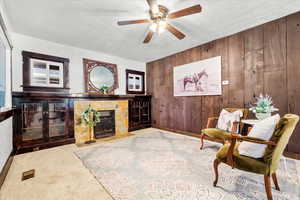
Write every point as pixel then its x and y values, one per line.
pixel 161 15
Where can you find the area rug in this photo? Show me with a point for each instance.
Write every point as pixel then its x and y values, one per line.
pixel 169 166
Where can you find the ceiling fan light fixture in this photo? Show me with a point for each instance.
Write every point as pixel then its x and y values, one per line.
pixel 161 30
pixel 153 27
pixel 158 26
pixel 162 24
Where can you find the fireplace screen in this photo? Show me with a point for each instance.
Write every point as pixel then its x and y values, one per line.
pixel 106 127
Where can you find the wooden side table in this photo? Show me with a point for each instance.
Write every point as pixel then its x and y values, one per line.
pixel 248 124
pixel 251 122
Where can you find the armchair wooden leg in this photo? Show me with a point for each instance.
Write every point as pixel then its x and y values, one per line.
pixel 202 138
pixel 274 177
pixel 268 187
pixel 216 164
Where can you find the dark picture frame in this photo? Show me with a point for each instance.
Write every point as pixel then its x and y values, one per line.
pixel 139 73
pixel 27 55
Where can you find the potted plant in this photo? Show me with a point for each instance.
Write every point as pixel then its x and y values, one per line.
pixel 90 118
pixel 263 107
pixel 104 89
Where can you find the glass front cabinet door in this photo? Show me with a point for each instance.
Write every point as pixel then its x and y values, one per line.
pixel 40 122
pixel 31 122
pixel 57 119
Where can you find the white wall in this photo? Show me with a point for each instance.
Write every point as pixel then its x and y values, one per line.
pixel 6 126
pixel 22 42
pixel 6 143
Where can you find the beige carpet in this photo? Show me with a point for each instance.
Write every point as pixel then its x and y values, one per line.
pixel 169 166
pixel 60 175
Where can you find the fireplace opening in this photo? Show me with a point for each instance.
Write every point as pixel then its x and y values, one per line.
pixel 106 127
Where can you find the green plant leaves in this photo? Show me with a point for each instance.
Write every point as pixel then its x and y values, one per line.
pixel 90 117
pixel 264 104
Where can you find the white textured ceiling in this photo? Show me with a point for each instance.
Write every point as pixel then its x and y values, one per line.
pixel 91 24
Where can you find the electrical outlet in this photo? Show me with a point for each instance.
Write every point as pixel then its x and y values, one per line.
pixel 226 82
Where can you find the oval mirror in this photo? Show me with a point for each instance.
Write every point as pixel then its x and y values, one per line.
pixel 101 76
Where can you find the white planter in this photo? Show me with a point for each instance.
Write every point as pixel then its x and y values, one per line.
pixel 262 116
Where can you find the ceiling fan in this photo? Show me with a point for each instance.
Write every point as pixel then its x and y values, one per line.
pixel 159 16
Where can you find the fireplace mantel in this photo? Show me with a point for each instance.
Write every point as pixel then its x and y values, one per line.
pixel 74 95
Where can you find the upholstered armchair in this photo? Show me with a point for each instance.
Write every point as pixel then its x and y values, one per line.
pixel 219 134
pixel 268 164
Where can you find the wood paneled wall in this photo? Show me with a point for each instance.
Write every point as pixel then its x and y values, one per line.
pixel 264 59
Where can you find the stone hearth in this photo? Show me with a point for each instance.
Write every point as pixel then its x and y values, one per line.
pixel 121 117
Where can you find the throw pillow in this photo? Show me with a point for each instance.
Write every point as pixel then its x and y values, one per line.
pixel 263 130
pixel 226 119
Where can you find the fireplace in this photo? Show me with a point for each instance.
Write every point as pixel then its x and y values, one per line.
pixel 106 127
pixel 120 116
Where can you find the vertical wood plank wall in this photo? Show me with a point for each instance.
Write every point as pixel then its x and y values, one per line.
pixel 264 59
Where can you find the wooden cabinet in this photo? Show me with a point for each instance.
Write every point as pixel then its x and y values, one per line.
pixel 40 123
pixel 43 120
pixel 139 112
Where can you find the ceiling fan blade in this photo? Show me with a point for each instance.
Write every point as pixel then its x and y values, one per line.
pixel 149 37
pixel 175 32
pixel 153 6
pixel 185 12
pixel 139 21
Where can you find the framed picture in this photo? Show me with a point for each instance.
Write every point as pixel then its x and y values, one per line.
pixel 200 78
pixel 135 82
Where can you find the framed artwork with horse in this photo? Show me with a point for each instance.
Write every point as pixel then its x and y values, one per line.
pixel 199 78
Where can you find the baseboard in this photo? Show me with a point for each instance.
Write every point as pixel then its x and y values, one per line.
pixel 5 115
pixel 292 155
pixel 197 135
pixel 5 169
pixel 287 154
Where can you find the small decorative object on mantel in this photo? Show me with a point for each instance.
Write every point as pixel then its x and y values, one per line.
pixel 135 82
pixel 104 89
pixel 90 118
pixel 99 74
pixel 263 107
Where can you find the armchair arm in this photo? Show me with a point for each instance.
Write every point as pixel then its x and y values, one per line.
pixel 253 140
pixel 234 137
pixel 211 121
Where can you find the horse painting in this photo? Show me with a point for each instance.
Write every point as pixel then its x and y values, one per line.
pixel 195 79
pixel 201 78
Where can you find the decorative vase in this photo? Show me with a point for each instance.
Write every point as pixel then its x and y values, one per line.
pixel 262 116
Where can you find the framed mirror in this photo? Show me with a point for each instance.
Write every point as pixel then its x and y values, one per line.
pixel 100 77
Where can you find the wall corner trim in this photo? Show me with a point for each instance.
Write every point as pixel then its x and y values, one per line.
pixel 6 168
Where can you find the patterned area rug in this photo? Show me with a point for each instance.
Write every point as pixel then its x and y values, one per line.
pixel 169 166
